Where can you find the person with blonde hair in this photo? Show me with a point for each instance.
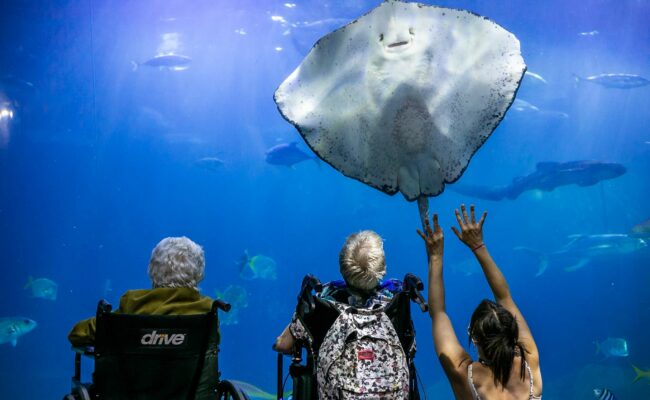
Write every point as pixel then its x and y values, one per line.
pixel 363 265
pixel 176 268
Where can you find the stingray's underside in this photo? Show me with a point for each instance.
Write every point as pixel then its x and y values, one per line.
pixel 404 96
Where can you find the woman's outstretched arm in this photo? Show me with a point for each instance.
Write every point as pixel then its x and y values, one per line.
pixel 452 355
pixel 471 233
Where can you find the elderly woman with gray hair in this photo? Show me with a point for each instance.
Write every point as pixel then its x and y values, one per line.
pixel 363 265
pixel 176 267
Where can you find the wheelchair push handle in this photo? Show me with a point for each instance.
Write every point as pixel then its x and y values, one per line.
pixel 413 285
pixel 222 305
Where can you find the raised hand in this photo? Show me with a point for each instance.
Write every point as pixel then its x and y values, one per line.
pixel 471 232
pixel 433 238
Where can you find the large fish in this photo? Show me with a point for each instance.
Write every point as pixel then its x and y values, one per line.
pixel 13 328
pixel 582 249
pixel 173 62
pixel 287 154
pixel 615 81
pixel 547 177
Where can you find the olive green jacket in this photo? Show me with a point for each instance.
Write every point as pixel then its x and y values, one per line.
pixel 158 301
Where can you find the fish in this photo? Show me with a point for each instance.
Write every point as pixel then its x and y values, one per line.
pixel 378 101
pixel 580 250
pixel 287 154
pixel 615 81
pixel 257 267
pixel 256 393
pixel 604 394
pixel 590 33
pixel 210 163
pixel 641 374
pixel 535 77
pixel 42 288
pixel 107 287
pixel 173 62
pixel 642 229
pixel 237 297
pixel 612 347
pixel 527 111
pixel 13 328
pixel 547 177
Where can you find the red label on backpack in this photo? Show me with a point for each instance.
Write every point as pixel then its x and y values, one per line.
pixel 368 355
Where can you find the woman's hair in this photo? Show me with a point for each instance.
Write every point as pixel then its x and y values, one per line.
pixel 176 262
pixel 494 329
pixel 362 260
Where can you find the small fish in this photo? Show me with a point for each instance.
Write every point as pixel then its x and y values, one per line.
pixel 13 328
pixel 173 62
pixel 257 267
pixel 590 33
pixel 641 374
pixel 237 297
pixel 287 154
pixel 42 288
pixel 210 163
pixel 536 77
pixel 604 394
pixel 642 229
pixel 612 347
pixel 615 81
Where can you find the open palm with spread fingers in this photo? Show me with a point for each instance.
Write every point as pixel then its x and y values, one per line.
pixel 471 231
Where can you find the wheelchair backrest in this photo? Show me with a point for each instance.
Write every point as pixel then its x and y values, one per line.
pixel 142 357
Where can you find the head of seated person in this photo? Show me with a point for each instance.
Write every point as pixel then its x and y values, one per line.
pixel 176 262
pixel 176 268
pixel 362 262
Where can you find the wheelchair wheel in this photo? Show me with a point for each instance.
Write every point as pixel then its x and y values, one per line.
pixel 228 391
pixel 78 393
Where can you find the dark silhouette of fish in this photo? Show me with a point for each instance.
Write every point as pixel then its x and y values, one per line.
pixel 168 61
pixel 287 154
pixel 615 81
pixel 547 176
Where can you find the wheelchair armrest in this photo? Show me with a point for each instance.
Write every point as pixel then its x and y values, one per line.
pixel 84 350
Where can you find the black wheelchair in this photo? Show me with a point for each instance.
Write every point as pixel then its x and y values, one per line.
pixel 147 357
pixel 318 315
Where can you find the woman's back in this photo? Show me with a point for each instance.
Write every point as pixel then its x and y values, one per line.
pixel 481 382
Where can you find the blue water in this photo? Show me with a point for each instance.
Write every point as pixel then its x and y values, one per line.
pixel 98 164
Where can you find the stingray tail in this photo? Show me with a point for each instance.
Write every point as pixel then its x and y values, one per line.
pixel 134 66
pixel 542 258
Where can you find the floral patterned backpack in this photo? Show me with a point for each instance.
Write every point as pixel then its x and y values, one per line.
pixel 362 358
pixel 355 352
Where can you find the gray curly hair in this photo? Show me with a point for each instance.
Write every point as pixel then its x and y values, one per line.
pixel 362 260
pixel 176 262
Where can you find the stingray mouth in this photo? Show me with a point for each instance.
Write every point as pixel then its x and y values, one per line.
pixel 397 44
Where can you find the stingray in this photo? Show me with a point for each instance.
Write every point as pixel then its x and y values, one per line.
pixel 403 97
